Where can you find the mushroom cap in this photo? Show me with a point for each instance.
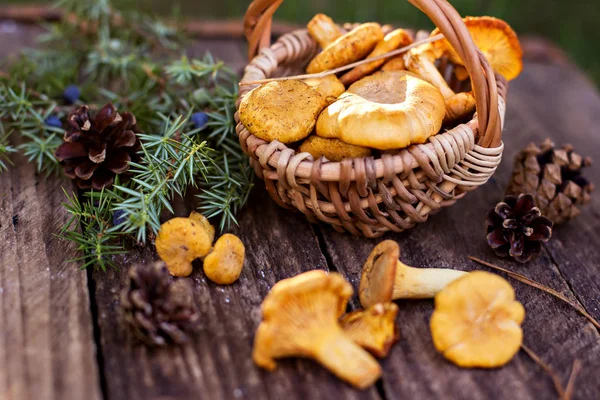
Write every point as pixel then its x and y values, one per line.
pixel 179 242
pixel 386 110
pixel 378 274
pixel 477 321
pixel 323 30
pixel 296 311
pixel 225 262
pixel 330 87
pixel 348 48
pixel 393 40
pixel 332 149
pixel 281 110
pixel 205 223
pixel 459 106
pixel 300 287
pixel 498 42
pixel 374 329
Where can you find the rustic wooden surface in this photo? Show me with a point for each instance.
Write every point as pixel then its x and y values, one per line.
pixel 61 335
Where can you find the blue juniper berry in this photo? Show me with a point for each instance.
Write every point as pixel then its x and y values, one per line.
pixel 71 94
pixel 53 121
pixel 199 119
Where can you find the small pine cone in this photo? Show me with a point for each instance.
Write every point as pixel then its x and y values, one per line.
pixel 553 176
pixel 97 149
pixel 159 310
pixel 516 228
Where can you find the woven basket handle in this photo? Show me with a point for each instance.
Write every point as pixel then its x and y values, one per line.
pixel 257 29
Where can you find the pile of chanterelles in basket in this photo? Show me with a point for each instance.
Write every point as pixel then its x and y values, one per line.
pixel 379 106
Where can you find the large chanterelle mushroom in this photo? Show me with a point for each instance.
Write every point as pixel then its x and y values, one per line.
pixel 300 319
pixel 386 110
pixel 343 49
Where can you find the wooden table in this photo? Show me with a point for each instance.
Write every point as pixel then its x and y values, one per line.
pixel 61 336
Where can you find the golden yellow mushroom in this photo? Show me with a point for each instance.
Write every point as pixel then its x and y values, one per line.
pixel 459 106
pixel 496 40
pixel 477 321
pixel 328 86
pixel 384 278
pixel 225 262
pixel 300 319
pixel 386 110
pixel 393 40
pixel 179 242
pixel 282 110
pixel 421 60
pixel 373 329
pixel 332 149
pixel 205 223
pixel 324 30
pixel 347 48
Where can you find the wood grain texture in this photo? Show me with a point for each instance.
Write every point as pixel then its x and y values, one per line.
pixel 47 346
pixel 46 338
pixel 218 364
pixel 545 101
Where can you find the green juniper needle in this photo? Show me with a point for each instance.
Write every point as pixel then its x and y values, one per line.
pixel 184 106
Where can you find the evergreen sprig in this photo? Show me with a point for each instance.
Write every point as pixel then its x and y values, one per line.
pixel 138 63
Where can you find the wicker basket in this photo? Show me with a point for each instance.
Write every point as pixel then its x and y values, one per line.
pixel 370 196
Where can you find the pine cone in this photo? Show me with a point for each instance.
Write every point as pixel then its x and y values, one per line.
pixel 96 149
pixel 516 228
pixel 553 177
pixel 159 310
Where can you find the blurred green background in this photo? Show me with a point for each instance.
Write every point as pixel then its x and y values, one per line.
pixel 574 25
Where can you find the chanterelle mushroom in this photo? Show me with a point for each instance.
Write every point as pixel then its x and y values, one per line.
pixel 477 321
pixel 179 242
pixel 386 110
pixel 393 40
pixel 374 329
pixel 282 110
pixel 205 223
pixel 345 49
pixel 385 278
pixel 300 319
pixel 332 149
pixel 323 30
pixel 496 40
pixel 329 86
pixel 421 61
pixel 225 262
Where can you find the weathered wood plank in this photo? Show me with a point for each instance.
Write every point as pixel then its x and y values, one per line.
pixel 218 364
pixel 541 103
pixel 46 335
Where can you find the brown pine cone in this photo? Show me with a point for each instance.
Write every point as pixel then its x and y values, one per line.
pixel 97 149
pixel 553 176
pixel 159 310
pixel 516 228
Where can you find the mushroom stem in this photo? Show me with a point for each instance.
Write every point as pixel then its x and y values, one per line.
pixel 422 283
pixel 421 65
pixel 346 359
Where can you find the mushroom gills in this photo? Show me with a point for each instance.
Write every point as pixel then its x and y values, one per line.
pixel 385 278
pixel 300 319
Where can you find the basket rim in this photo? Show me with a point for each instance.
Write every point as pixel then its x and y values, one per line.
pixel 272 57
